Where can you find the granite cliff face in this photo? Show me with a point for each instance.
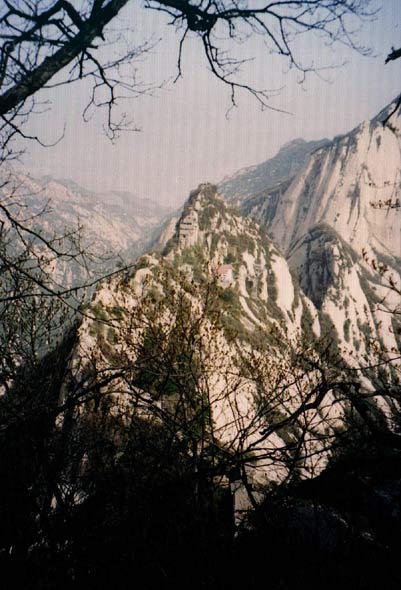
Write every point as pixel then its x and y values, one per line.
pixel 338 222
pixel 214 253
pixel 352 184
pixel 218 317
pixel 262 348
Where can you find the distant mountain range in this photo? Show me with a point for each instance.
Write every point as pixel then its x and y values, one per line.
pixel 116 226
pixel 254 180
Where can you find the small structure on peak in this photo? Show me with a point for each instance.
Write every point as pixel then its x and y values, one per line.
pixel 188 229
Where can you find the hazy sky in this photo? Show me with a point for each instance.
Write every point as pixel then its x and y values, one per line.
pixel 187 139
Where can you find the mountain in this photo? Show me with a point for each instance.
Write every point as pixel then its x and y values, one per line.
pixel 352 184
pixel 145 212
pixel 221 372
pixel 253 181
pixel 338 222
pixel 219 293
pixel 115 220
pixel 205 370
pixel 240 295
pixel 114 226
pixel 219 313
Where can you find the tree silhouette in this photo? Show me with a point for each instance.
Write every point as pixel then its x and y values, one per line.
pixel 40 39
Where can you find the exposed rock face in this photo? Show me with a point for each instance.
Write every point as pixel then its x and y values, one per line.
pixel 211 237
pixel 335 220
pixel 253 357
pixel 353 185
pixel 259 308
pixel 323 219
pixel 188 229
pixel 316 271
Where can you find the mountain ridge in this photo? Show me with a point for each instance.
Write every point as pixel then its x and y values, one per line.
pixel 344 203
pixel 111 228
pixel 264 315
pixel 287 161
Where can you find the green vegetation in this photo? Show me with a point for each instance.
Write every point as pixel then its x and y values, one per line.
pixel 229 297
pixel 142 263
pixel 230 258
pixel 272 294
pixel 347 325
pixel 249 284
pixel 101 317
pixel 171 245
pixel 307 323
pixel 365 331
pixel 297 291
pixel 206 215
pixel 328 330
pixel 242 243
pixel 194 256
pixel 214 243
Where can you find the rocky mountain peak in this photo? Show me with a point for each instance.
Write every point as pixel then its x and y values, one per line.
pixel 223 295
pixel 353 184
pixel 211 240
pixel 337 220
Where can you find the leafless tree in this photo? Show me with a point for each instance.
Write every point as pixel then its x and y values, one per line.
pixel 45 278
pixel 156 372
pixel 42 38
pixel 393 55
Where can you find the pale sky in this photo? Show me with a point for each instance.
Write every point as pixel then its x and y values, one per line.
pixel 186 137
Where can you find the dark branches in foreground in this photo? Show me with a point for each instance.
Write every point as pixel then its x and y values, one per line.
pixel 393 55
pixel 45 276
pixel 116 467
pixel 40 39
